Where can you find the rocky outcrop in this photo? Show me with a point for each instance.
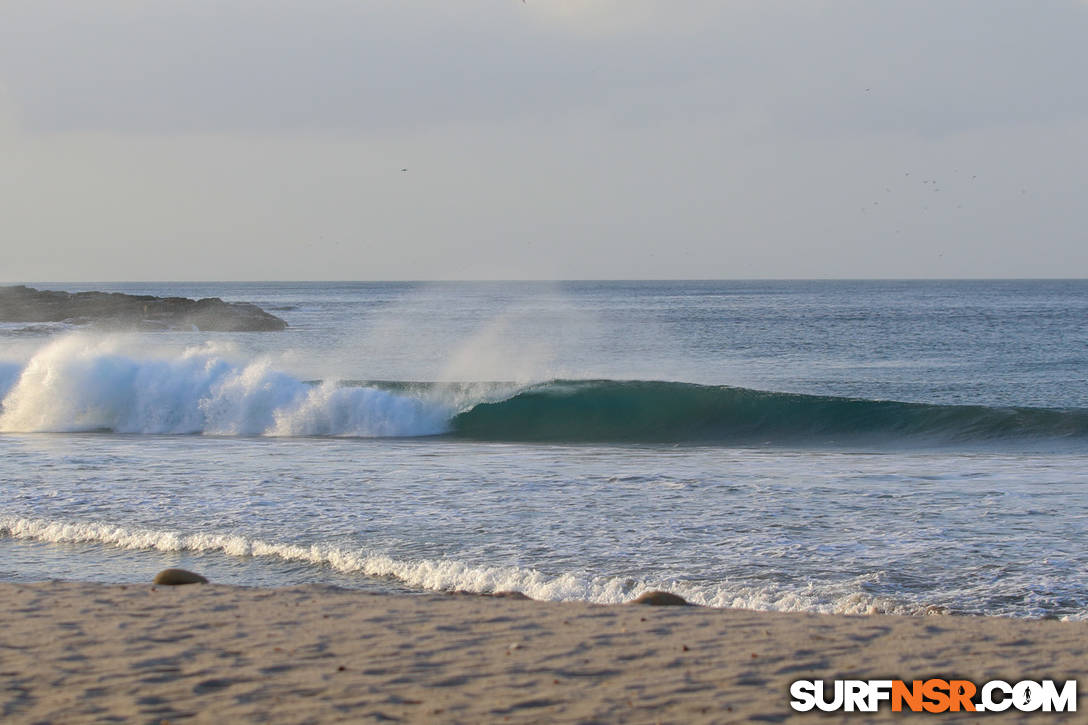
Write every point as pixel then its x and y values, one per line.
pixel 113 309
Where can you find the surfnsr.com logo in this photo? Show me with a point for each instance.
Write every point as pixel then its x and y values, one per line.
pixel 933 695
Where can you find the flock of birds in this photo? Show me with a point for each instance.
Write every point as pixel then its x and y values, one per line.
pixel 933 187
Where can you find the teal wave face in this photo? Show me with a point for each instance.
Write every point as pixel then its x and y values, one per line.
pixel 663 412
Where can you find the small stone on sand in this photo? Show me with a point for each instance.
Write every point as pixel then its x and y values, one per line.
pixel 660 599
pixel 175 577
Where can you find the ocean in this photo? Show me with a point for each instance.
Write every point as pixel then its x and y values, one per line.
pixel 907 447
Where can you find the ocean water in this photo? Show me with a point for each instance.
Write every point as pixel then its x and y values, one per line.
pixel 906 447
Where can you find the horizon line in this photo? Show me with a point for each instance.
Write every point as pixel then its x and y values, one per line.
pixel 522 280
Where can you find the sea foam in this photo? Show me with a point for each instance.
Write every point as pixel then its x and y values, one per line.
pixel 448 574
pixel 81 383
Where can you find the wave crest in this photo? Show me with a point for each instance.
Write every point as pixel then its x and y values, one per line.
pixel 76 384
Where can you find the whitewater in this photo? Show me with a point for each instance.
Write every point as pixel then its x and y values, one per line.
pixel 86 383
pixel 835 447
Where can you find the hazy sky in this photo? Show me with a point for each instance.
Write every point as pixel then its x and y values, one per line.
pixel 555 139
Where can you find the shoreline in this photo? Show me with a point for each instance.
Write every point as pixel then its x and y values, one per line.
pixel 79 652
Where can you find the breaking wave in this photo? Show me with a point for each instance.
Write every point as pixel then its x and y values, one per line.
pixel 78 385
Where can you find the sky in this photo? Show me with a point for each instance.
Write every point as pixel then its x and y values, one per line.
pixel 544 139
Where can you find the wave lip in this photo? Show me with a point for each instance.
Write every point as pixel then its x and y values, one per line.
pixel 666 412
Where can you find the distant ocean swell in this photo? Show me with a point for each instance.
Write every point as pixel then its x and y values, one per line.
pixel 71 385
pixel 453 575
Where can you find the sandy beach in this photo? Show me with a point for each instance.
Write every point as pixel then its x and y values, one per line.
pixel 75 652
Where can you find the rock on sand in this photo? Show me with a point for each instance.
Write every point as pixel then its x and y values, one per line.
pixel 175 577
pixel 660 599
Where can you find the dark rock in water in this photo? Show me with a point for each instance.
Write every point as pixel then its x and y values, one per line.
pixel 660 599
pixel 176 577
pixel 114 309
